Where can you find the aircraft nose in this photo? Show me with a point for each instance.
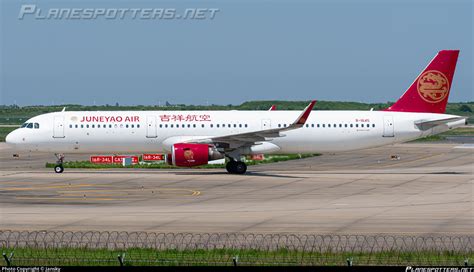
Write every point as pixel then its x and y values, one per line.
pixel 12 138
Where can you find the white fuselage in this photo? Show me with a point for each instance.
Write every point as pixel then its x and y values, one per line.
pixel 156 131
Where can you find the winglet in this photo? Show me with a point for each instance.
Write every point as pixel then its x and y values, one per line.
pixel 272 108
pixel 304 115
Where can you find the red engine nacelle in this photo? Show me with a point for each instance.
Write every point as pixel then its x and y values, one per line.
pixel 187 155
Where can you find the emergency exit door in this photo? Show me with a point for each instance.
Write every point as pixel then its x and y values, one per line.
pixel 266 124
pixel 388 130
pixel 58 127
pixel 151 127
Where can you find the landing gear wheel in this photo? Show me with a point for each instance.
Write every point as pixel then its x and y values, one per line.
pixel 230 166
pixel 236 167
pixel 58 169
pixel 59 163
pixel 240 168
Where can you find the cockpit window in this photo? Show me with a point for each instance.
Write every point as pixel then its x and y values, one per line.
pixel 31 125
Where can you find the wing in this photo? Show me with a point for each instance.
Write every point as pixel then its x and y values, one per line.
pixel 233 141
pixel 427 124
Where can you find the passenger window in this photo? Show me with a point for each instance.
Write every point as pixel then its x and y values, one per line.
pixel 212 125
pixel 138 126
pixel 87 126
pixel 70 126
pixel 351 125
pixel 161 125
pixel 217 125
pixel 373 125
pixel 235 125
pixel 357 125
pixel 340 125
pixel 110 126
pixel 93 126
pixel 307 125
pixel 345 125
pixel 134 125
pixel 194 125
pixel 82 126
pixel 240 125
pixel 245 125
pixel 126 126
pixel 202 125
pixel 317 125
pixel 182 125
pixel 77 126
pixel 279 125
pixel 171 126
pixel 166 126
pixel 324 125
pixel 329 125
pixel 312 125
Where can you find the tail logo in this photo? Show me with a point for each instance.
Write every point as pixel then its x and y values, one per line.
pixel 433 86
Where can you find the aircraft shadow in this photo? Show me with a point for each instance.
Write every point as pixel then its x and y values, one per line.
pixel 250 173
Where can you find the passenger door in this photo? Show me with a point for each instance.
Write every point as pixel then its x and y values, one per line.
pixel 58 127
pixel 388 130
pixel 151 127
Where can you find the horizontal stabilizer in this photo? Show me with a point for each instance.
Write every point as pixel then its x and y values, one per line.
pixel 427 124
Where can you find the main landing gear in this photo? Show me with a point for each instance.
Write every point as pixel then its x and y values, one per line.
pixel 59 168
pixel 236 167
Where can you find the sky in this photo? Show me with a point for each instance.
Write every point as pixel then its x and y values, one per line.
pixel 340 50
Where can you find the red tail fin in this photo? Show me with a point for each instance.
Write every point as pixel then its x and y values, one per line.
pixel 430 91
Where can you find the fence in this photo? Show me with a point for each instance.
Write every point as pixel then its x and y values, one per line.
pixel 143 248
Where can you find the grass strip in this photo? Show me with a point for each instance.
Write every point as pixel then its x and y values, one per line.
pixel 268 159
pixel 31 256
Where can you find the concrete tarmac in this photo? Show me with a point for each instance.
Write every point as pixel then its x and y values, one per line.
pixel 429 191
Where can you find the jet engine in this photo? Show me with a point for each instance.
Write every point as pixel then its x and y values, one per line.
pixel 188 155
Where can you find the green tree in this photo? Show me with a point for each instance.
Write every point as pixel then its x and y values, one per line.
pixel 465 108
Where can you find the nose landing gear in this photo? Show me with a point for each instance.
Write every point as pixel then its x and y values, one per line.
pixel 59 168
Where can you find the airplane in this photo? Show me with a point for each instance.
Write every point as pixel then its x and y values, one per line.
pixel 192 138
